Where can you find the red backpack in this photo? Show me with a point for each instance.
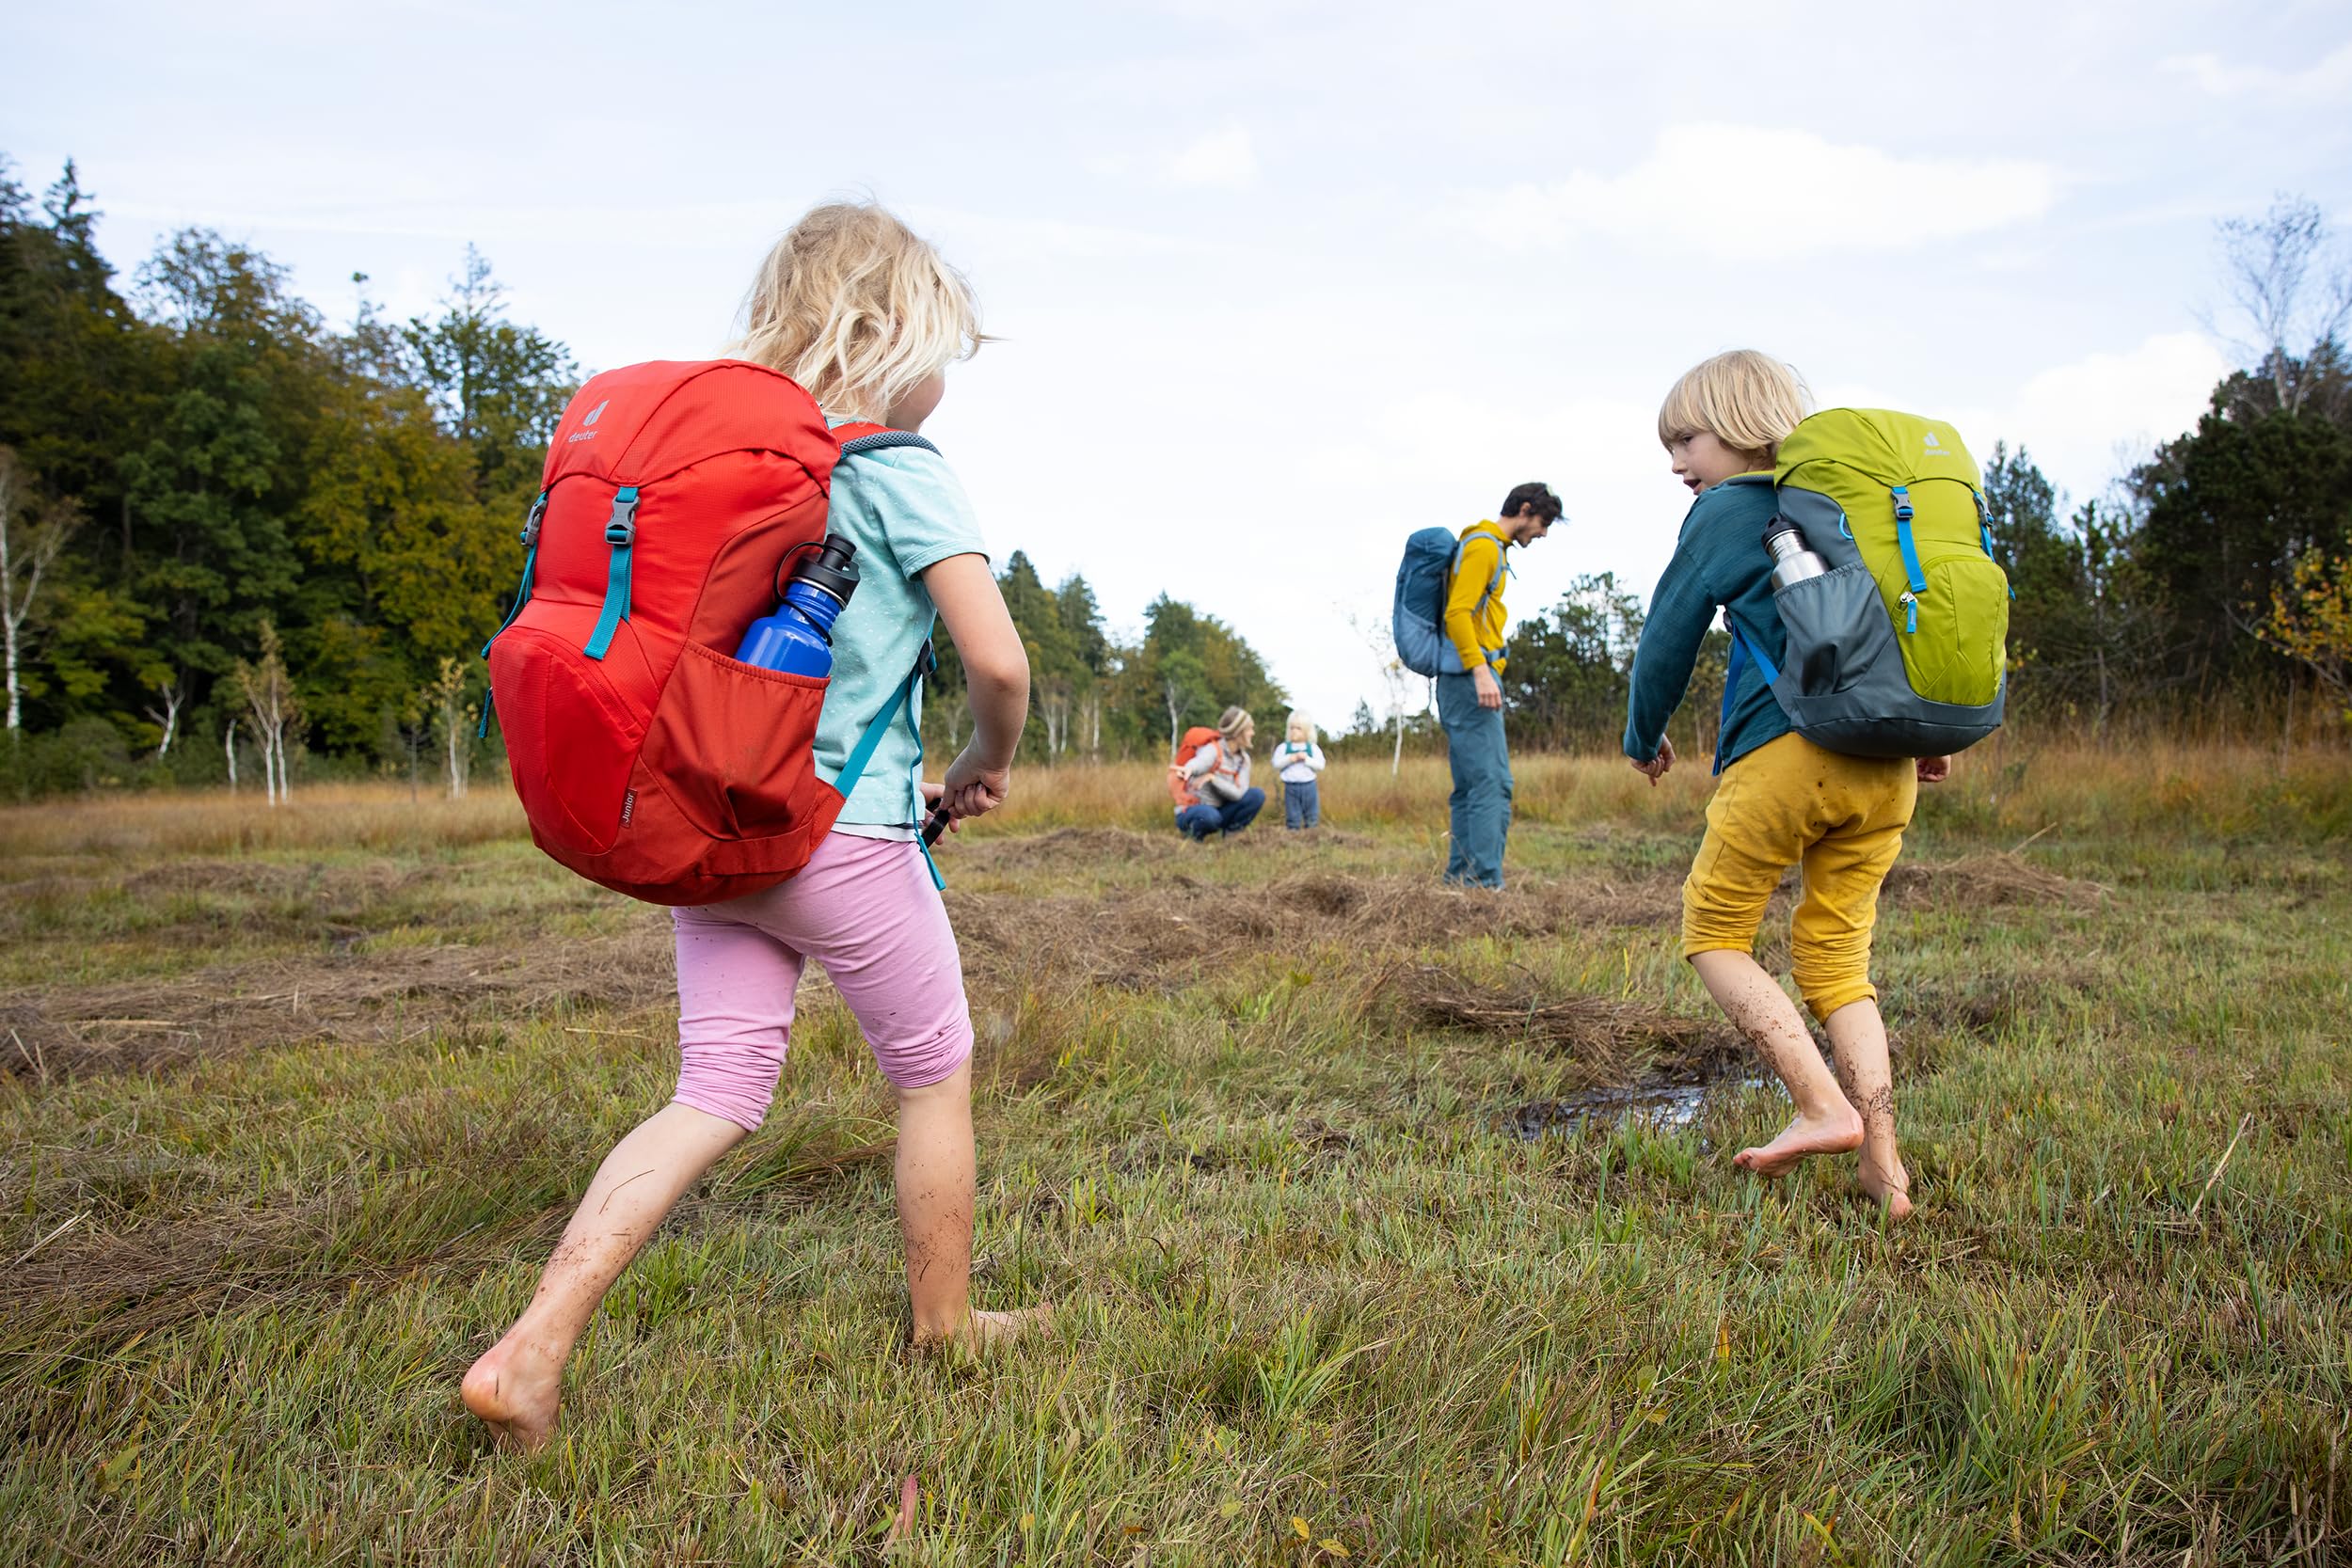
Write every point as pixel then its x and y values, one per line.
pixel 648 759
pixel 1178 786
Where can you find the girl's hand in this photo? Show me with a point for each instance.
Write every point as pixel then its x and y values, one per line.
pixel 1657 767
pixel 1934 770
pixel 972 789
pixel 931 794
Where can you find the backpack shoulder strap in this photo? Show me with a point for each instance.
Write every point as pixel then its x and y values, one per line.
pixel 856 438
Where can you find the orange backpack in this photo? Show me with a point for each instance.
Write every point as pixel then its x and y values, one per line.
pixel 1178 786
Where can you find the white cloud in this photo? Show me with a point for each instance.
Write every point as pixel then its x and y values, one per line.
pixel 1223 160
pixel 2331 73
pixel 2088 421
pixel 1717 188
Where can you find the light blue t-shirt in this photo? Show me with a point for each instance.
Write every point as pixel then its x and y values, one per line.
pixel 904 510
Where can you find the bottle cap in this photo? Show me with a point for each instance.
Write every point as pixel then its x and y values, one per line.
pixel 833 568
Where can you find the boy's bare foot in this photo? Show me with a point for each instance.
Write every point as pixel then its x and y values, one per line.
pixel 1890 1186
pixel 1801 1138
pixel 987 1330
pixel 514 1389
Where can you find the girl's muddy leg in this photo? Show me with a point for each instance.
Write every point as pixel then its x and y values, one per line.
pixel 515 1386
pixel 935 1206
pixel 1761 1011
pixel 1858 1037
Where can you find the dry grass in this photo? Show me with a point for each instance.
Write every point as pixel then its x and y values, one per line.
pixel 1286 1129
pixel 1606 1039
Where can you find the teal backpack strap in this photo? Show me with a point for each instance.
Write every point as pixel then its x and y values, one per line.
pixel 1909 547
pixel 620 532
pixel 523 596
pixel 901 702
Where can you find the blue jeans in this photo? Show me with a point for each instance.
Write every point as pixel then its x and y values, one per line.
pixel 1199 821
pixel 1481 783
pixel 1300 806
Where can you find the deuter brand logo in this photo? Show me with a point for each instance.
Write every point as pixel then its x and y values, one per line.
pixel 597 412
pixel 1930 437
pixel 583 433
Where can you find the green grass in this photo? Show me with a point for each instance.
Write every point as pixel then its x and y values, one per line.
pixel 291 1116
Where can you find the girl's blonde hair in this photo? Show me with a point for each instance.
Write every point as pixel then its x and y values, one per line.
pixel 1297 720
pixel 1748 400
pixel 857 308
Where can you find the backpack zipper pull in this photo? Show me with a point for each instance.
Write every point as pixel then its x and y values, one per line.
pixel 1911 611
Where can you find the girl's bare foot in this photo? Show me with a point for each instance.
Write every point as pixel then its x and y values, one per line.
pixel 1890 1184
pixel 1807 1136
pixel 986 1331
pixel 514 1389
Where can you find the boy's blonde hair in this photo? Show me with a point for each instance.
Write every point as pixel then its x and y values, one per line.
pixel 858 308
pixel 1748 400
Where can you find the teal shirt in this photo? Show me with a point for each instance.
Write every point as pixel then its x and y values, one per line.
pixel 904 510
pixel 1719 562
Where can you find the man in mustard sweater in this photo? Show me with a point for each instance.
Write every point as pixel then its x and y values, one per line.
pixel 1469 705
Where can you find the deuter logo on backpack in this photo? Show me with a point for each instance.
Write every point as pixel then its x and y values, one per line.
pixel 1895 613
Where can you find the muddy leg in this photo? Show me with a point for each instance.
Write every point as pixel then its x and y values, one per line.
pixel 1761 1011
pixel 1857 1035
pixel 517 1384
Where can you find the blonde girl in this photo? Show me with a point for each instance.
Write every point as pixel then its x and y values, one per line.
pixel 866 317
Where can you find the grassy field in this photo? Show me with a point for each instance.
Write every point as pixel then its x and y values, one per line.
pixel 1390 1224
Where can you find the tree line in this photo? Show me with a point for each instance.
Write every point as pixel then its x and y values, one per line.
pixel 232 534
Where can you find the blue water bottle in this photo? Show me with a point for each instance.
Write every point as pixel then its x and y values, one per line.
pixel 798 636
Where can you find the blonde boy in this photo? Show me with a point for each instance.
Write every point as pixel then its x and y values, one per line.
pixel 1782 801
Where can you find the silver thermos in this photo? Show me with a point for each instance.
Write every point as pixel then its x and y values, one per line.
pixel 1791 562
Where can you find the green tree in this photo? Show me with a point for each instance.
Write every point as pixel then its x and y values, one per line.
pixel 498 387
pixel 1568 678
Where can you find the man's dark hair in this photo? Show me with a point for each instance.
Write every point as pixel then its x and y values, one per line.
pixel 1538 496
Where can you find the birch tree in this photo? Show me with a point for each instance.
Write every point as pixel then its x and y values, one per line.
pixel 32 535
pixel 450 710
pixel 269 697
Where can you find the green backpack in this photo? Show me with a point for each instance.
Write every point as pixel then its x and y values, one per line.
pixel 1900 649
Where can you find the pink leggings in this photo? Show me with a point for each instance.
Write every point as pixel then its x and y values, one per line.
pixel 864 908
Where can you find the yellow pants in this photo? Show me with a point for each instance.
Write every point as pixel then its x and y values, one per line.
pixel 1789 802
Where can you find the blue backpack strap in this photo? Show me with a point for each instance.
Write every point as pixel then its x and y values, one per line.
pixel 523 596
pixel 901 701
pixel 620 532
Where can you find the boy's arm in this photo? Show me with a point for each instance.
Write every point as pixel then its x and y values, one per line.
pixel 1480 554
pixel 1679 613
pixel 996 677
pixel 1315 757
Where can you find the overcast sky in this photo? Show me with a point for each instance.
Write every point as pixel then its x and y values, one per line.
pixel 1278 282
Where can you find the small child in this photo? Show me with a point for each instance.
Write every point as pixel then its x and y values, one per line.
pixel 1783 800
pixel 1296 762
pixel 866 317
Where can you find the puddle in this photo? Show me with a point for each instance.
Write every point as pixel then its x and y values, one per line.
pixel 1660 1108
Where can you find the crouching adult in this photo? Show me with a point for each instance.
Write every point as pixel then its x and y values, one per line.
pixel 1213 790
